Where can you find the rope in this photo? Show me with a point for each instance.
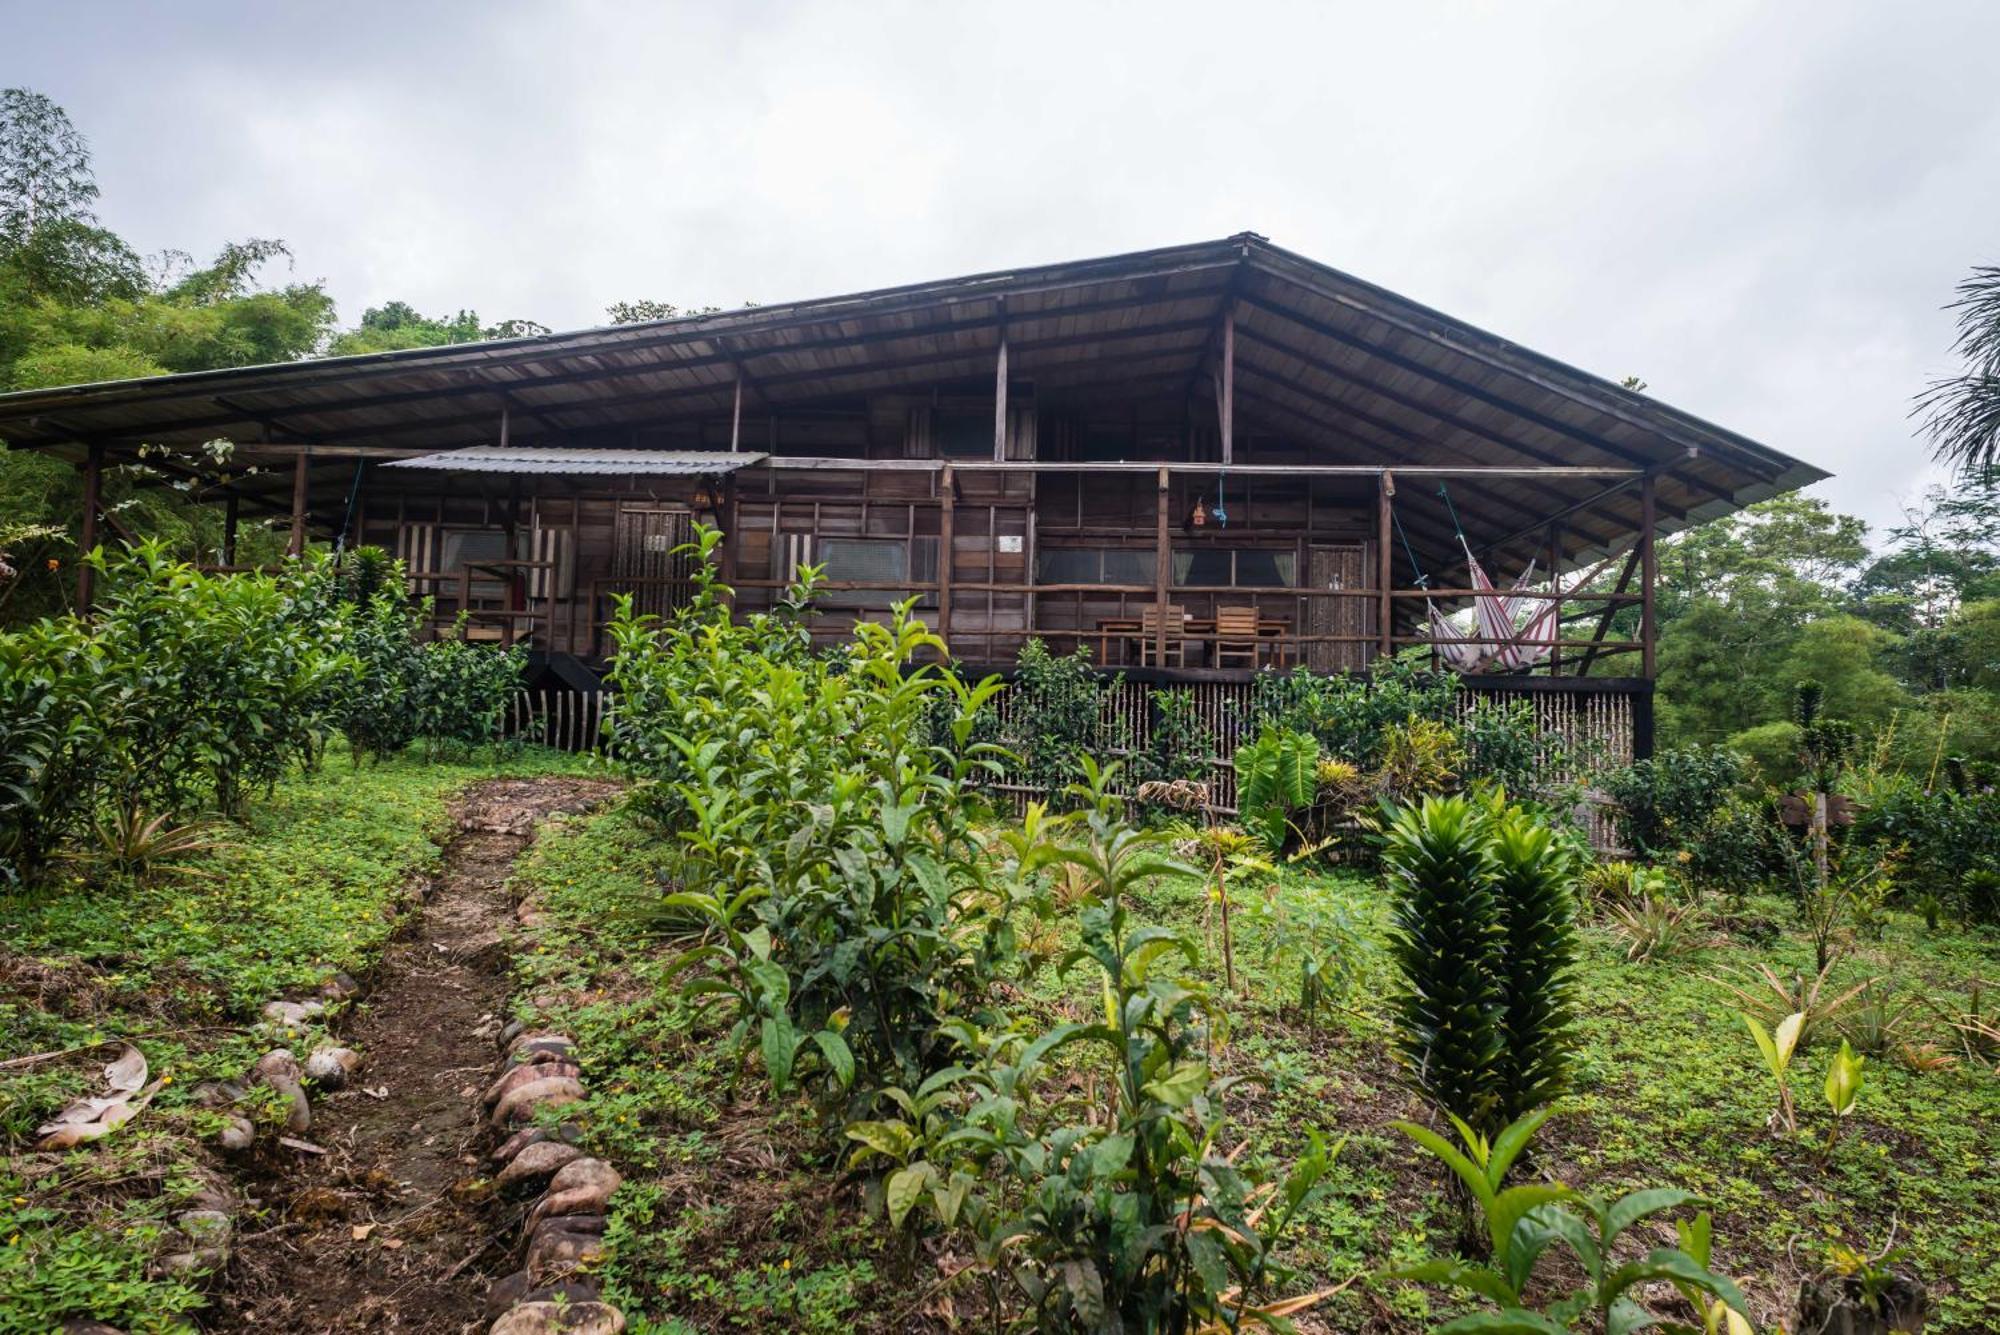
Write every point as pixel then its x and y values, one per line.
pixel 1416 571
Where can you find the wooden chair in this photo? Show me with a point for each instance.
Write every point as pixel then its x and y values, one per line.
pixel 1175 654
pixel 1236 637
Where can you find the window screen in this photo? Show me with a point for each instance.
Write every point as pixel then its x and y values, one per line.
pixel 462 547
pixel 1235 568
pixel 1094 565
pixel 868 560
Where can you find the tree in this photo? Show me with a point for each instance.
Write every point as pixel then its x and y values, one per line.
pixel 643 311
pixel 1961 413
pixel 45 172
pixel 397 325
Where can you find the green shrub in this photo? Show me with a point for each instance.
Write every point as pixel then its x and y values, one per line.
pixel 1054 716
pixel 1664 804
pixel 459 697
pixel 1350 714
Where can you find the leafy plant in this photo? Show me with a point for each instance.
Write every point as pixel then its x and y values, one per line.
pixel 1777 1048
pixel 1807 995
pixel 1276 777
pixel 1843 1087
pixel 1523 1221
pixel 1052 716
pixel 1420 758
pixel 1656 927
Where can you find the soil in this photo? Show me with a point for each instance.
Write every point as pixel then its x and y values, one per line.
pixel 394 1226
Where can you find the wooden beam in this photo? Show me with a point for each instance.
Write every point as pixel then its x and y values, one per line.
pixel 947 526
pixel 736 415
pixel 1385 607
pixel 1228 404
pixel 1649 631
pixel 93 502
pixel 231 505
pixel 301 467
pixel 1162 570
pixel 1555 587
pixel 1000 402
pixel 1610 611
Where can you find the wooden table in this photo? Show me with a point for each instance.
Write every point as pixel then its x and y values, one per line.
pixel 1127 630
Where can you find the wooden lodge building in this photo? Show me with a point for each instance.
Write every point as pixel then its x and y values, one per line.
pixel 1200 461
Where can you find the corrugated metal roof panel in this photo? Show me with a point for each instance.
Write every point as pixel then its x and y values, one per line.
pixel 499 459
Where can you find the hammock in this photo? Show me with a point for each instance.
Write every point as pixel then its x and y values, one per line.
pixel 1493 641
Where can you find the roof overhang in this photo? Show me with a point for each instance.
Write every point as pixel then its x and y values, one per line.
pixel 1357 373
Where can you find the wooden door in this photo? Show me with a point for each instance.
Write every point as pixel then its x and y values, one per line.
pixel 1338 566
pixel 645 560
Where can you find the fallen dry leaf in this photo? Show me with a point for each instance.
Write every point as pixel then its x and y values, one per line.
pixel 361 1231
pixel 392 1243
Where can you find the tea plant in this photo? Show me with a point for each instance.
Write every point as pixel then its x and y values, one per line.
pixel 1523 1221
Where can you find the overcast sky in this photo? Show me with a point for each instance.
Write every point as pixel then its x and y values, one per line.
pixel 1759 209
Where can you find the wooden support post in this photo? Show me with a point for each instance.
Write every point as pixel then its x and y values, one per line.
pixel 736 416
pixel 230 515
pixel 1227 407
pixel 1163 559
pixel 296 546
pixel 93 501
pixel 504 423
pixel 947 511
pixel 1555 587
pixel 1385 613
pixel 1649 576
pixel 1000 403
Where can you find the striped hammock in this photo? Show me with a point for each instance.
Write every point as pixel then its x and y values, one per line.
pixel 1494 642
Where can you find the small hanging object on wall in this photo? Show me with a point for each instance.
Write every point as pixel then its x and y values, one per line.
pixel 1221 514
pixel 1198 518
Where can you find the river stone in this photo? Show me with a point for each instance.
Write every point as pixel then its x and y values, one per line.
pixel 536 1162
pixel 561 1319
pixel 339 986
pixel 279 1070
pixel 205 1228
pixel 520 1103
pixel 292 1014
pixel 513 1030
pixel 528 1035
pixel 556 1252
pixel 332 1066
pixel 197 1259
pixel 580 1187
pixel 78 1325
pixel 218 1093
pixel 516 1076
pixel 237 1134
pixel 504 1292
pixel 519 1141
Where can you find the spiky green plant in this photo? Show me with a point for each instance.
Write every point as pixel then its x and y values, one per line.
pixel 1447 939
pixel 1533 871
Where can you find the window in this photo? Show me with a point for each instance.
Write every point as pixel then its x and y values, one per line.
pixel 1235 568
pixel 459 548
pixel 1094 565
pixel 876 561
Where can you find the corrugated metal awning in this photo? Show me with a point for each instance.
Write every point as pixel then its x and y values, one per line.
pixel 577 462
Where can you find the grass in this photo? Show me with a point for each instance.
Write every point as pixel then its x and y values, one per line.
pixel 736 1217
pixel 318 878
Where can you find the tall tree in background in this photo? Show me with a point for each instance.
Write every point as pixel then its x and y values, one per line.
pixel 1962 412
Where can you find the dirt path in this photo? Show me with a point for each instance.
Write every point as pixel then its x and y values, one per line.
pixel 388 1230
